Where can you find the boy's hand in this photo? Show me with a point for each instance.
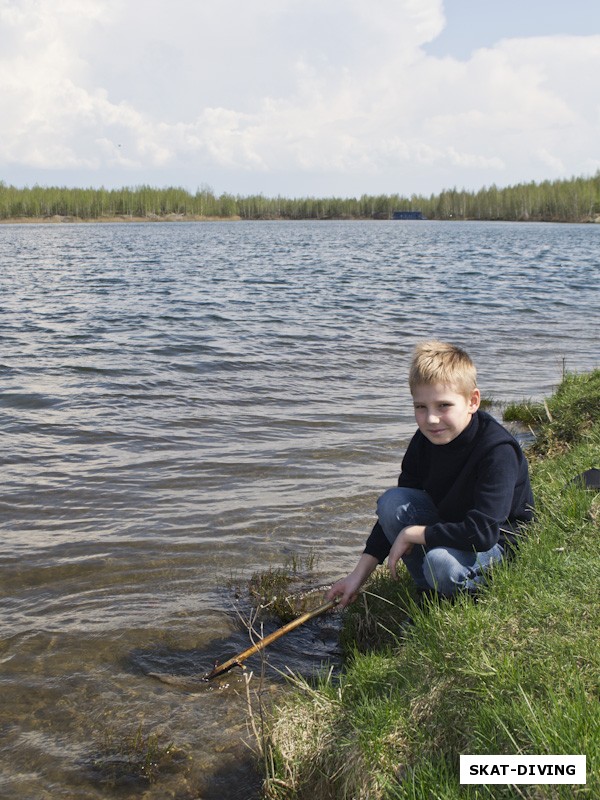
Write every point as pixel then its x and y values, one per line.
pixel 405 541
pixel 401 547
pixel 347 588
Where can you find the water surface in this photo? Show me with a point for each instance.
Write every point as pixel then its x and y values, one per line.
pixel 186 404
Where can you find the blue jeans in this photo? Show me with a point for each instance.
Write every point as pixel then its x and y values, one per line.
pixel 444 569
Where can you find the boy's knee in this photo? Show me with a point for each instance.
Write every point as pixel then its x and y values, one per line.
pixel 387 507
pixel 399 497
pixel 391 498
pixel 442 572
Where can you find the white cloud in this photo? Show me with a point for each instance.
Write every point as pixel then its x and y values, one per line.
pixel 555 164
pixel 341 91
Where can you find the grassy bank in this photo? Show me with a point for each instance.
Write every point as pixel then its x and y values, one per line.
pixel 515 673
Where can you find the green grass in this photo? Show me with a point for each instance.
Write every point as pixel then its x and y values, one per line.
pixel 566 418
pixel 518 672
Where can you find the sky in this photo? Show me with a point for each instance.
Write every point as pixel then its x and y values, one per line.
pixel 299 97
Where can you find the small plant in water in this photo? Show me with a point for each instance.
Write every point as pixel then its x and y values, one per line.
pixel 272 589
pixel 282 590
pixel 136 758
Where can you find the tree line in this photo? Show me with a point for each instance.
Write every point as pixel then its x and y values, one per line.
pixel 569 200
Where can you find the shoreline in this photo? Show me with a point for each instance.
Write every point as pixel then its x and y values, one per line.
pixel 574 200
pixel 58 219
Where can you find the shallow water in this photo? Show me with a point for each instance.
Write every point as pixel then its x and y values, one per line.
pixel 183 405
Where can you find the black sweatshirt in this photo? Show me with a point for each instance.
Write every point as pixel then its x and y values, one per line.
pixel 479 483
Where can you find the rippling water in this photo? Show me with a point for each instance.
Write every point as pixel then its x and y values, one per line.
pixel 183 404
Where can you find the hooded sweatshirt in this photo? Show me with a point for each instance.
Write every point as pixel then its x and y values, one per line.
pixel 479 483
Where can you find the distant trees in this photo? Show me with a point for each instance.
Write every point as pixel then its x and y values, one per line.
pixel 574 200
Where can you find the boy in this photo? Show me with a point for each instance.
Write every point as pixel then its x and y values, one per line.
pixel 463 495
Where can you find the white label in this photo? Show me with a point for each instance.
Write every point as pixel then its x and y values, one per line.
pixel 522 769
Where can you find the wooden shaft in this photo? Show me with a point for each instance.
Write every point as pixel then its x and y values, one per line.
pixel 255 648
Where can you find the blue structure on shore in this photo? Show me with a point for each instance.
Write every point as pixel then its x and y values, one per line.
pixel 408 215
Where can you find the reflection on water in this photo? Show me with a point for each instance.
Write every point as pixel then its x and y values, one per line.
pixel 183 405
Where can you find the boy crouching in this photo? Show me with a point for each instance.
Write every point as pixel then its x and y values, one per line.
pixel 463 495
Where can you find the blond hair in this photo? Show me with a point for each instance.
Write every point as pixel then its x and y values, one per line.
pixel 439 362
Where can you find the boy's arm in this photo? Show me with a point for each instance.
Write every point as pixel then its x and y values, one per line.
pixel 377 544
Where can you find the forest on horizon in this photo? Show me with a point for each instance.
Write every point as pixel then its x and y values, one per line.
pixel 565 200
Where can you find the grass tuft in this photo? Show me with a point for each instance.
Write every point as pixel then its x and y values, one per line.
pixel 282 591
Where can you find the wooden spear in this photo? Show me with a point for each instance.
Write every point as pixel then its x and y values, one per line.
pixel 220 669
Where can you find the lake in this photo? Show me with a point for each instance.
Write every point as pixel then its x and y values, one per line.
pixel 184 405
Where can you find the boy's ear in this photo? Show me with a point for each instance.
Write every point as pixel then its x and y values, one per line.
pixel 475 400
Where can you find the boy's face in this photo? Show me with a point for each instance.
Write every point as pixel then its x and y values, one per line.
pixel 442 413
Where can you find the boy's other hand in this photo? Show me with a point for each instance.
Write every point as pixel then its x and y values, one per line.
pixel 405 541
pixel 401 547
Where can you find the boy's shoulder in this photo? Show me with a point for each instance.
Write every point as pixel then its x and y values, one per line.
pixel 490 425
pixel 490 436
pixel 492 431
